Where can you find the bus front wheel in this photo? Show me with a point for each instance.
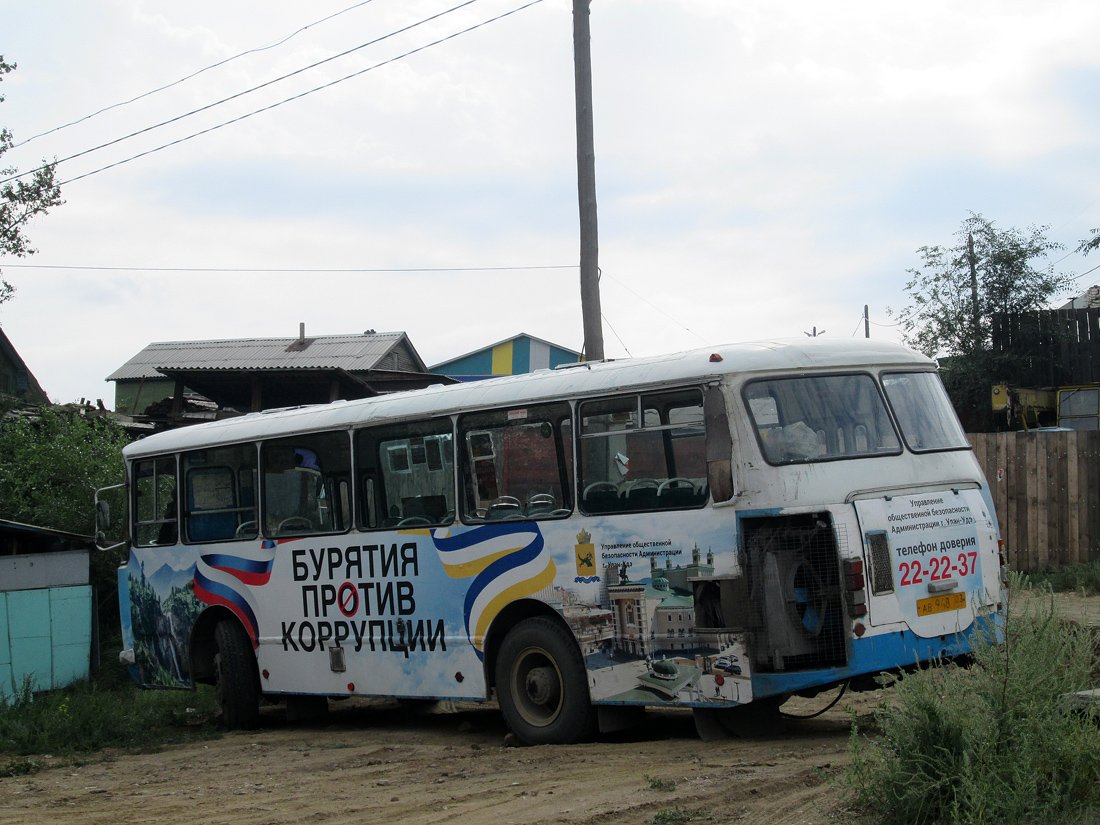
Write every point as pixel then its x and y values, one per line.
pixel 542 684
pixel 235 677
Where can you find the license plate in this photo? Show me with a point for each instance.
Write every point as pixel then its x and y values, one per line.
pixel 941 604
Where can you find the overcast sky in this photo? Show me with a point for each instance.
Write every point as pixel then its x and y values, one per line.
pixel 762 168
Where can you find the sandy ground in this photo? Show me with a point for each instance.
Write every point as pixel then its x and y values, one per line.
pixel 374 761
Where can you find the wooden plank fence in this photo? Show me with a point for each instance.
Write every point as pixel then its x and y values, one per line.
pixel 1046 490
pixel 1050 348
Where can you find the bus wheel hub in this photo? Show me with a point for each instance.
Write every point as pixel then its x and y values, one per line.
pixel 542 685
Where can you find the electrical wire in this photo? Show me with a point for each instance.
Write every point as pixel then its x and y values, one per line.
pixel 190 76
pixel 298 96
pixel 1086 272
pixel 269 270
pixel 644 300
pixel 617 336
pixel 263 86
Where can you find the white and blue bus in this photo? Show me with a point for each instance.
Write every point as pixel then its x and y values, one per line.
pixel 716 530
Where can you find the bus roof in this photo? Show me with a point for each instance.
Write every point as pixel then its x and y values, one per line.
pixel 694 366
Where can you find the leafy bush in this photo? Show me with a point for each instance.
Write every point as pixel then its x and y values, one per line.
pixel 1072 577
pixel 51 464
pixel 102 713
pixel 52 460
pixel 990 744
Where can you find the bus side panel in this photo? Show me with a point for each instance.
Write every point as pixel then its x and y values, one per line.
pixel 157 600
pixel 407 614
pixel 397 613
pixel 626 587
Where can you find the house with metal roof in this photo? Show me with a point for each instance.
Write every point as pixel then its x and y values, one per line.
pixel 253 374
pixel 513 356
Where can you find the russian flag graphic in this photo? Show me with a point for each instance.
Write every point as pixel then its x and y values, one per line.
pixel 227 579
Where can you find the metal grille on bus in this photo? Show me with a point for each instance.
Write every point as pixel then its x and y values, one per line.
pixel 795 573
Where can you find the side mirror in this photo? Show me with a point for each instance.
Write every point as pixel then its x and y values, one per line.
pixel 105 538
pixel 102 517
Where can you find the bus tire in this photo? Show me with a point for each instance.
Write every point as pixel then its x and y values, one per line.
pixel 542 684
pixel 235 677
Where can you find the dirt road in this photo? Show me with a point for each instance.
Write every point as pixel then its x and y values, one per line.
pixel 377 762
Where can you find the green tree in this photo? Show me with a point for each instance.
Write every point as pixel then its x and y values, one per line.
pixel 52 460
pixel 955 293
pixel 22 200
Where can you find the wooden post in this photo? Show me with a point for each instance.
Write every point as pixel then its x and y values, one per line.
pixel 177 400
pixel 586 184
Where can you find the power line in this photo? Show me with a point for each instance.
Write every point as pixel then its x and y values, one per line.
pixel 274 270
pixel 640 298
pixel 257 88
pixel 617 336
pixel 190 76
pixel 1086 272
pixel 301 95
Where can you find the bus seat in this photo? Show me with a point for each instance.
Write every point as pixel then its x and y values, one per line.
pixel 601 497
pixel 211 526
pixel 540 504
pixel 677 492
pixel 219 525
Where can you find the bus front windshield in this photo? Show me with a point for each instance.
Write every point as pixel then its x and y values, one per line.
pixel 924 412
pixel 820 418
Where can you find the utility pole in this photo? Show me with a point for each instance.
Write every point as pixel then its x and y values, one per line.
pixel 586 185
pixel 866 323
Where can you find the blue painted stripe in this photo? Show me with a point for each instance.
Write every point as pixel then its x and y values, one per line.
pixel 878 653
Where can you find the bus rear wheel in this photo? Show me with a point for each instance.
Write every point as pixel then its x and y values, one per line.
pixel 542 685
pixel 235 677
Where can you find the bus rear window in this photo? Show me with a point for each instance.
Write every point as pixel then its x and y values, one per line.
pixel 820 418
pixel 924 412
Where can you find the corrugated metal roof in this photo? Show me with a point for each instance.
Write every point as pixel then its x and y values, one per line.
pixel 347 352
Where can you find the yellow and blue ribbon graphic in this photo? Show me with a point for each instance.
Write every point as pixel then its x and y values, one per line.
pixel 507 561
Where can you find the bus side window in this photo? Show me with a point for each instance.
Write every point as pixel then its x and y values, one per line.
pixel 517 463
pixel 219 502
pixel 643 453
pixel 301 479
pixel 155 502
pixel 406 475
